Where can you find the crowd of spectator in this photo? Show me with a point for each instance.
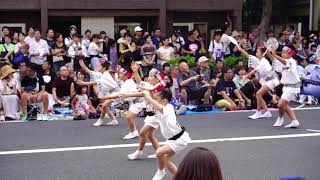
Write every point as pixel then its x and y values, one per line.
pixel 78 71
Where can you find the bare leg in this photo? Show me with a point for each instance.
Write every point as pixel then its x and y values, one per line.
pixel 164 154
pixel 105 109
pixel 131 121
pixel 261 104
pixel 282 105
pixel 45 101
pixel 144 132
pixel 153 139
pixel 184 96
pixel 24 103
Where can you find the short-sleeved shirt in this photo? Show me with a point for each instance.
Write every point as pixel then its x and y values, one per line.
pixel 165 52
pixel 49 84
pixel 62 86
pixel 32 84
pixel 193 85
pixel 206 74
pixel 93 49
pixel 228 86
pixel 169 126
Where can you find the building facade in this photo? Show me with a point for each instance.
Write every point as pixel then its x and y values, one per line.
pixel 112 15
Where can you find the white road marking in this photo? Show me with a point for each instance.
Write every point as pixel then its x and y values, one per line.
pixel 200 141
pixel 313 130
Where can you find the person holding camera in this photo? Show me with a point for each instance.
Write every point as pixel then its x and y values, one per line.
pixel 77 51
pixel 192 87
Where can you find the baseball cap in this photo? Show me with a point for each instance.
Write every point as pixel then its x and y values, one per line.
pixel 138 29
pixel 202 59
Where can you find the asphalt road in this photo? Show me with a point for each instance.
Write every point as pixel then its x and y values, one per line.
pixel 266 158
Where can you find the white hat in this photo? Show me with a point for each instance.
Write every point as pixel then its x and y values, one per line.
pixel 202 59
pixel 138 29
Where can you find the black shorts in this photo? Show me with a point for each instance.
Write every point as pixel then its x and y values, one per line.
pixel 197 94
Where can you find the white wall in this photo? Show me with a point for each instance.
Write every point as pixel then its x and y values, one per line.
pixel 97 24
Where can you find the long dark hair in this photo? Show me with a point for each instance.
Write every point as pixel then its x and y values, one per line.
pixel 199 164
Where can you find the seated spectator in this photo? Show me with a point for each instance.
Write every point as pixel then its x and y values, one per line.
pixel 7 49
pixel 9 101
pixel 148 53
pixel 238 80
pixel 127 50
pixel 191 86
pixel 166 68
pixel 63 88
pixel 48 76
pixel 77 51
pixel 165 52
pixel 81 104
pixel 33 91
pixel 20 74
pixel 205 72
pixel 70 69
pixel 226 93
pixel 59 52
pixel 199 164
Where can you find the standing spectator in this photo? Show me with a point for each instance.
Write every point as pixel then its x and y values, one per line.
pixel 165 52
pixel 216 47
pixel 291 31
pixel 15 38
pixel 50 38
pixel 138 40
pixel 58 52
pixel 77 51
pixel 113 54
pixel 5 31
pixel 243 40
pixel 148 53
pixel 199 164
pixel 175 43
pixel 33 91
pixel 233 49
pixel 93 52
pixel 127 50
pixel 7 49
pixel 103 42
pixel 48 76
pixel 123 32
pixel 72 30
pixel 253 40
pixel 86 39
pixel 9 92
pixel 156 39
pixel 226 93
pixel 191 86
pixel 225 40
pixel 63 88
pixel 30 38
pixel 192 45
pixel 21 51
pixel 38 50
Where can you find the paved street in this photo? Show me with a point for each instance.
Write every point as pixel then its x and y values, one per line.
pixel 247 149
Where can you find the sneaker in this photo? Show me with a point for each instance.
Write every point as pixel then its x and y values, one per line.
pixel 39 117
pixel 256 115
pixel 44 117
pixel 131 135
pixel 152 156
pixel 98 123
pixel 136 155
pixel 159 175
pixel 279 122
pixel 267 114
pixel 24 118
pixel 113 123
pixel 182 109
pixel 293 124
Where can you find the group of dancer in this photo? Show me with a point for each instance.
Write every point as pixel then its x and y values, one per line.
pixel 269 80
pixel 151 94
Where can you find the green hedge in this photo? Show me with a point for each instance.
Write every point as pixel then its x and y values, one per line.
pixel 229 61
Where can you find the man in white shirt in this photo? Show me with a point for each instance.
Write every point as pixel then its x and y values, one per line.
pixel 225 40
pixel 216 47
pixel 39 50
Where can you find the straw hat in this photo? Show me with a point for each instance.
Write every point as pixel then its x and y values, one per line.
pixel 6 70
